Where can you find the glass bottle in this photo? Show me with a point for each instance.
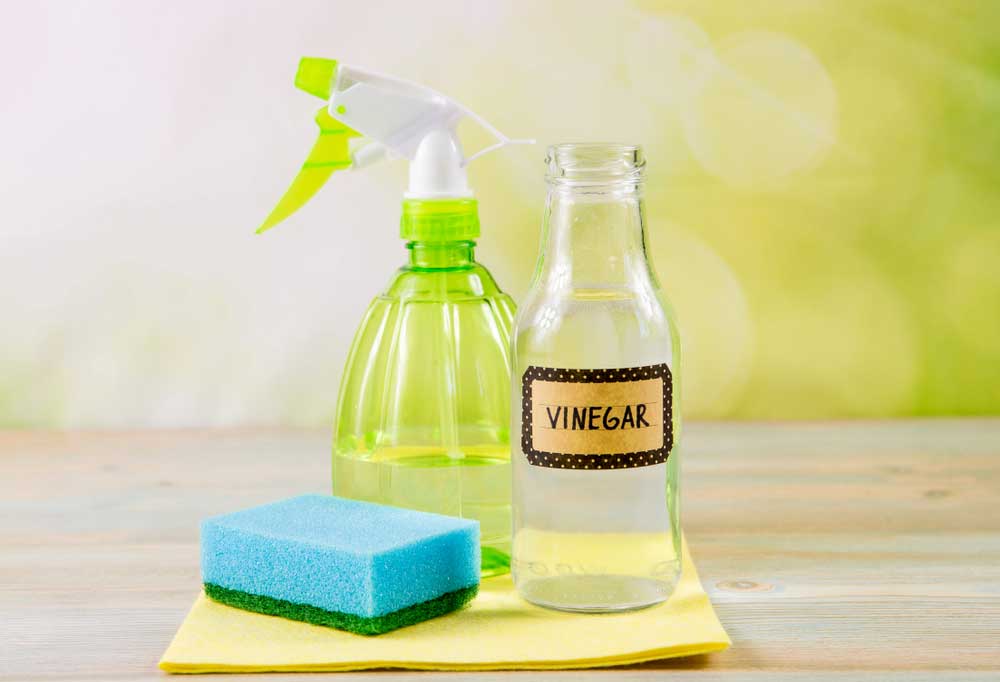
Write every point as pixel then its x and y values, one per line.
pixel 423 417
pixel 596 352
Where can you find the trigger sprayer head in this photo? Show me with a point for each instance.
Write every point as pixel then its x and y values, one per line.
pixel 400 119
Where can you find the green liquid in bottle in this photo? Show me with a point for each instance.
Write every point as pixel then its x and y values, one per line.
pixel 423 418
pixel 474 486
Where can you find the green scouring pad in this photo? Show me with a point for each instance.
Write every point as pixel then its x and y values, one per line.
pixel 371 625
pixel 356 566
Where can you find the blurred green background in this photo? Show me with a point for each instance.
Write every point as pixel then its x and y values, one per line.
pixel 824 196
pixel 853 191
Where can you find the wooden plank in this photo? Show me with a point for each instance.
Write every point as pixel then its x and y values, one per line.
pixel 832 550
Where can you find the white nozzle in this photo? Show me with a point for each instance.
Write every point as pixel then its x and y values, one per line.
pixel 438 170
pixel 410 121
pixel 367 154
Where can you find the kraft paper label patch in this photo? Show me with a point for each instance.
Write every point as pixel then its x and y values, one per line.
pixel 596 418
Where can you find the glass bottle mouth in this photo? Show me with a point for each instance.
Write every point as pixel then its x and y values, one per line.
pixel 594 164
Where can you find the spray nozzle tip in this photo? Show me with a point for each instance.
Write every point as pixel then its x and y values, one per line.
pixel 315 76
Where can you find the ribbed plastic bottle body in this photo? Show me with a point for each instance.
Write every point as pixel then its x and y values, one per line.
pixel 423 417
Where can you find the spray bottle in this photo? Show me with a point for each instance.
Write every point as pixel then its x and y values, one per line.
pixel 423 415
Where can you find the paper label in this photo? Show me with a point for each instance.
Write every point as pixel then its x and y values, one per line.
pixel 596 418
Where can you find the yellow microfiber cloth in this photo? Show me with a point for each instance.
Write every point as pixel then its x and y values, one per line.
pixel 499 630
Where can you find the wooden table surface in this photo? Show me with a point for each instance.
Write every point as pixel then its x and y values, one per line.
pixel 854 550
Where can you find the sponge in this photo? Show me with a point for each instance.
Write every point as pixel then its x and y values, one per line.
pixel 357 566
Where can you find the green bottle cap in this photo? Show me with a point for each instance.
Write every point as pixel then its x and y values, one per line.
pixel 439 220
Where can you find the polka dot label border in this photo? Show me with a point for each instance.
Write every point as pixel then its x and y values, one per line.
pixel 611 460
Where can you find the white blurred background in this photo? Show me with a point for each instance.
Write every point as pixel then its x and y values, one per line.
pixel 144 144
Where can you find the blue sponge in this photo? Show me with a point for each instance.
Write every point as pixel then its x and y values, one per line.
pixel 354 565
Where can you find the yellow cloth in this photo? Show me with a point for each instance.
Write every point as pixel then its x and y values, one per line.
pixel 499 630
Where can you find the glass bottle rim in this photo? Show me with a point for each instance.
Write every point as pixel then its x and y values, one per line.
pixel 594 164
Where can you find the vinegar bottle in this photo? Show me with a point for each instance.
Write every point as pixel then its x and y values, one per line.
pixel 595 359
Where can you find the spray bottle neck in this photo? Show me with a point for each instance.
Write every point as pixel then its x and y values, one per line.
pixel 441 255
pixel 439 220
pixel 440 233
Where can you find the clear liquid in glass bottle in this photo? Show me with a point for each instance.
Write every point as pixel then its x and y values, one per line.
pixel 596 354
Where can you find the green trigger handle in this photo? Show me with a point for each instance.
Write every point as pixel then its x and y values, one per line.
pixel 330 153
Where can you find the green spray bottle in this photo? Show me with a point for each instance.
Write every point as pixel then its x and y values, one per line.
pixel 423 415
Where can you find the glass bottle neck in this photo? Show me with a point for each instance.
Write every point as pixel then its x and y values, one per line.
pixel 593 238
pixel 441 255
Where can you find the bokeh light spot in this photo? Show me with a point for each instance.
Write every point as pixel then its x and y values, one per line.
pixel 665 56
pixel 765 109
pixel 716 328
